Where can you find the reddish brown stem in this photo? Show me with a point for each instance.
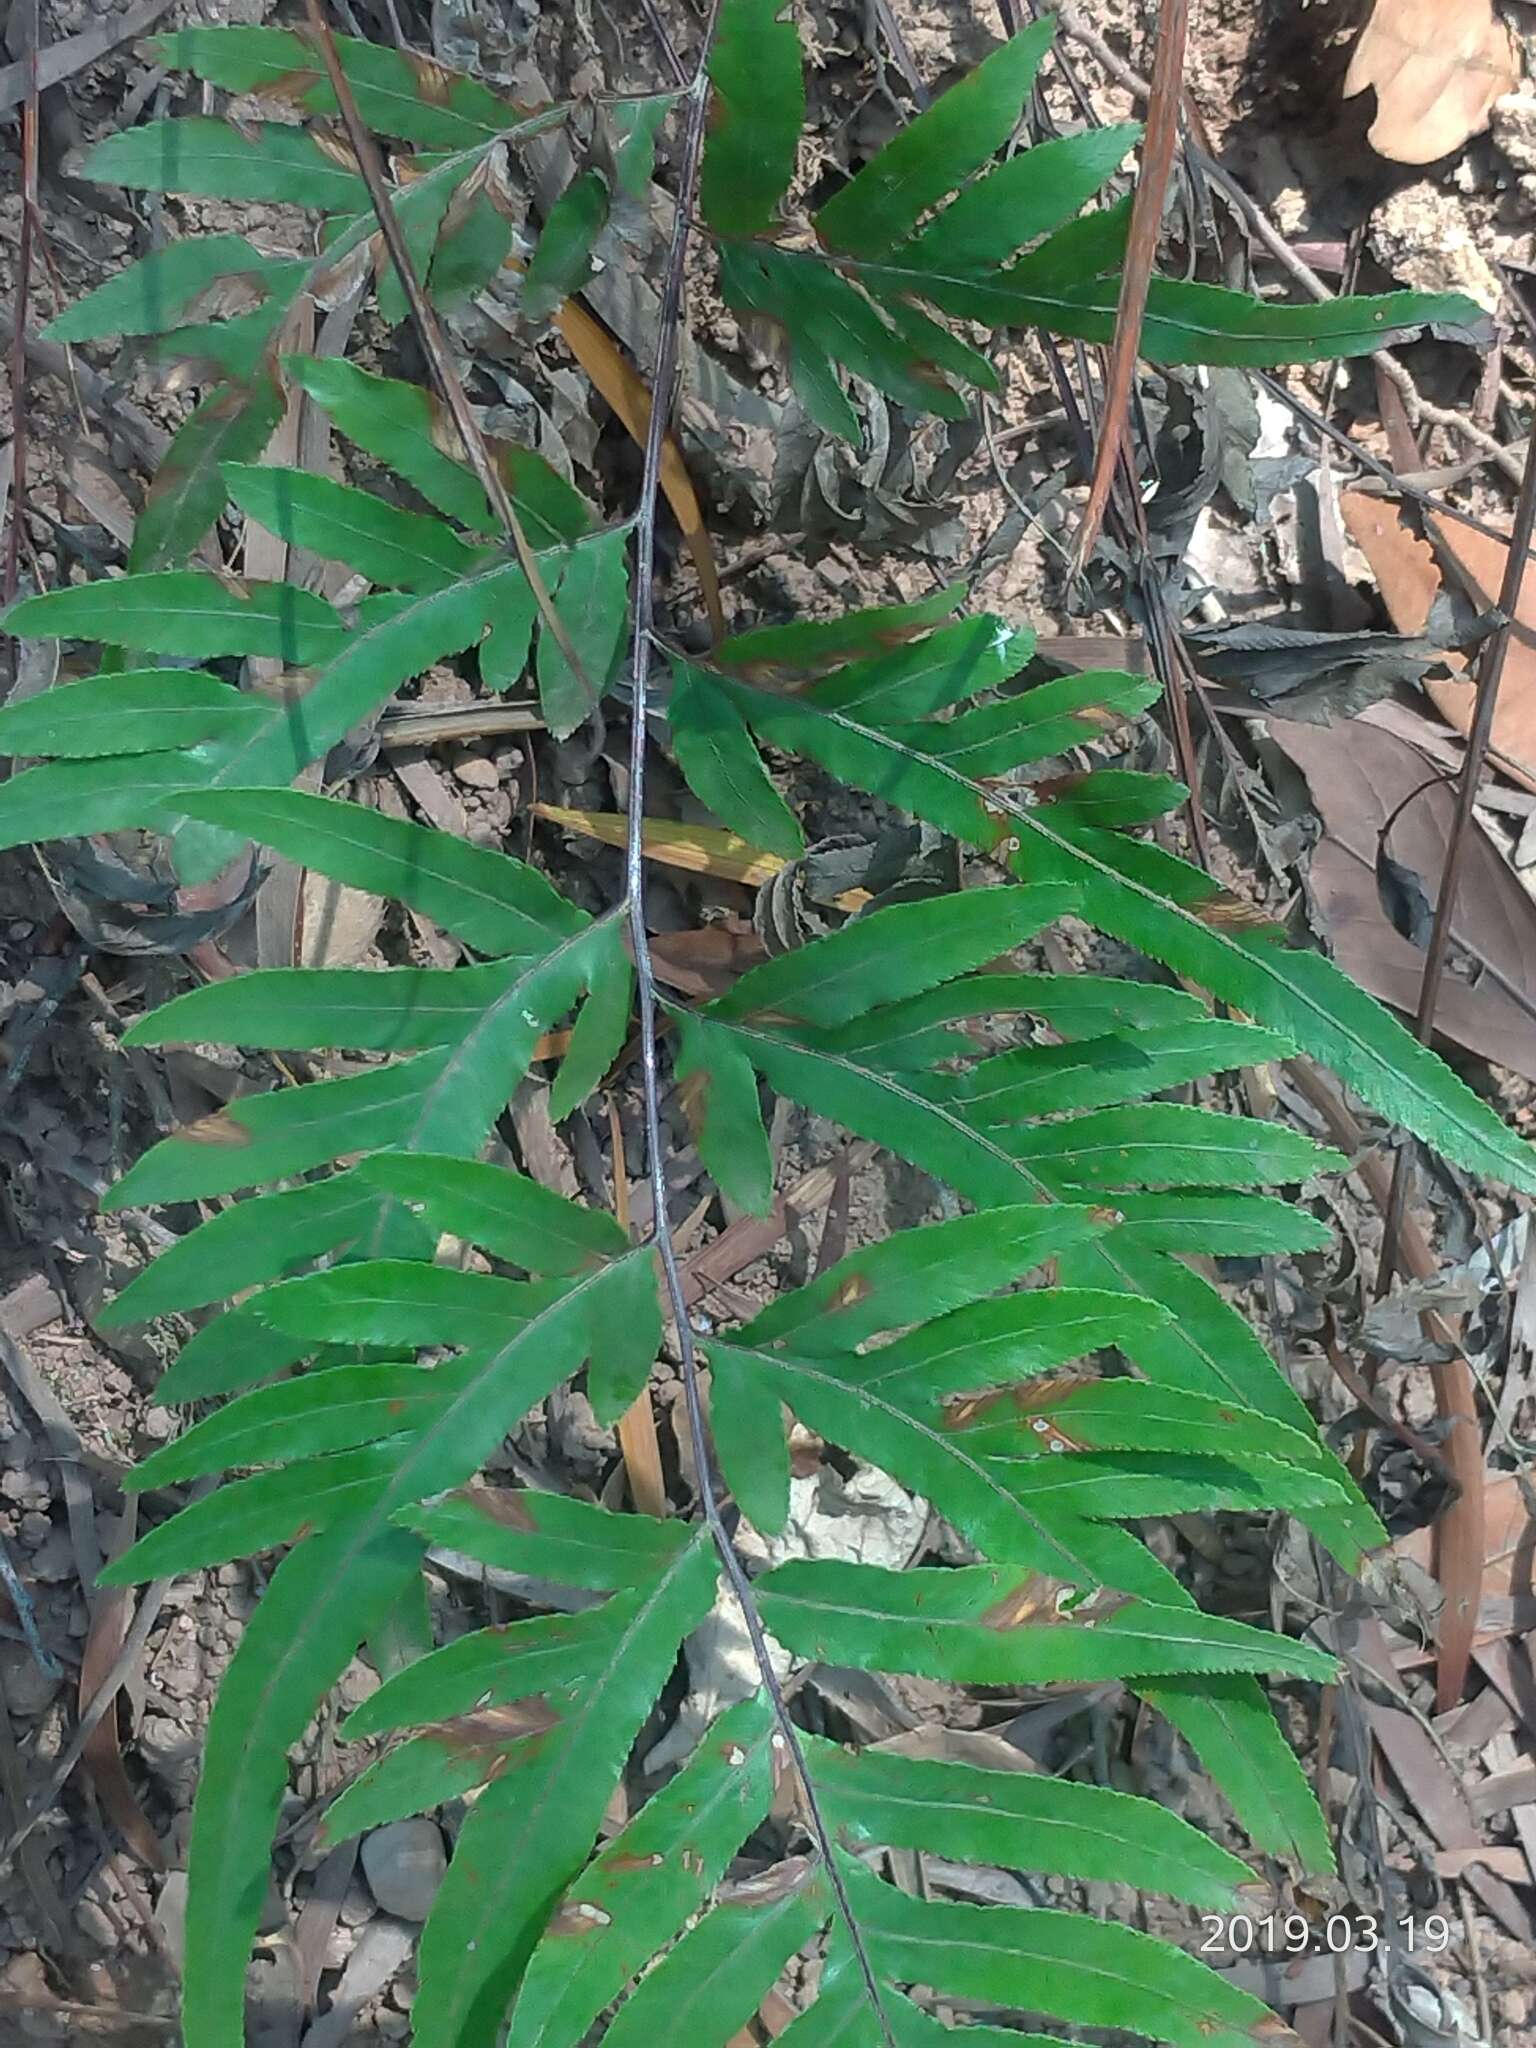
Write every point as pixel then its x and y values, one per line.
pixel 1157 153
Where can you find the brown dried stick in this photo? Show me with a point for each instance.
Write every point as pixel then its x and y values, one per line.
pixel 1460 1536
pixel 1419 407
pixel 638 1445
pixel 29 219
pixel 1460 1542
pixel 1157 153
pixel 430 333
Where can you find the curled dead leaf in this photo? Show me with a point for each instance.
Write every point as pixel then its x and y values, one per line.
pixel 1437 67
pixel 433 82
pixel 1409 579
pixel 336 147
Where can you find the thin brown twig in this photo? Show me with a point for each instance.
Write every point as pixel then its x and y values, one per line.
pixel 1490 673
pixel 429 331
pixel 1158 149
pixel 1461 1529
pixel 1460 1538
pixel 29 217
pixel 636 1427
pixel 123 1667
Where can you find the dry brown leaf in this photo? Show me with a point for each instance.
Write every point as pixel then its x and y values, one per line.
pixel 701 849
pixel 705 963
pixel 1437 67
pixel 629 395
pixel 102 1753
pixel 1409 579
pixel 617 379
pixel 1359 775
pixel 1510 1542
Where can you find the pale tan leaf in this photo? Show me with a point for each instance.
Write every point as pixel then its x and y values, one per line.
pixel 1437 67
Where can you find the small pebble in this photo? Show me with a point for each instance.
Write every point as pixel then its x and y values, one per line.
pixel 171 1914
pixel 404 1864
pixel 54 1559
pixel 476 772
pixel 96 1924
pixel 27 1688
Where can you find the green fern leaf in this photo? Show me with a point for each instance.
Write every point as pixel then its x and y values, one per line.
pixel 232 1351
pixel 246 1516
pixel 187 612
pixel 890 954
pixel 551 1536
pixel 397 423
pixel 561 263
pixel 817 644
pixel 1090 1972
pixel 493 903
pixel 960 1625
pixel 1153 901
pixel 308 1622
pixel 138 711
pixel 756 114
pixel 1038 1080
pixel 713 1981
pixel 160 290
pixel 336 1410
pixel 516 1218
pixel 723 768
pixel 984 1816
pixel 397 93
pixel 232 424
pixel 208 159
pixel 917 1276
pixel 406 550
pixel 927 159
pixel 591 598
pixel 1005 209
pixel 637 1893
pixel 524 1842
pixel 247 1244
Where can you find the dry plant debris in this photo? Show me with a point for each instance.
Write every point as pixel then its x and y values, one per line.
pixel 1436 67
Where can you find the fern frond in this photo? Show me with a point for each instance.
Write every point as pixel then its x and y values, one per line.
pixel 1043 1370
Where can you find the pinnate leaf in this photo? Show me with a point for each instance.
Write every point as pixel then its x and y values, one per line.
pixel 756 115
pixel 210 159
pixel 187 612
pixel 159 291
pixel 397 92
pixel 137 711
pixel 927 159
pixel 562 258
pixel 405 550
pixel 964 1625
pixel 722 766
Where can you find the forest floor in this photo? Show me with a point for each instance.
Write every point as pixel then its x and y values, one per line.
pixel 1256 519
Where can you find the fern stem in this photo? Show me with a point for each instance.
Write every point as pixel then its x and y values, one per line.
pixel 663 399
